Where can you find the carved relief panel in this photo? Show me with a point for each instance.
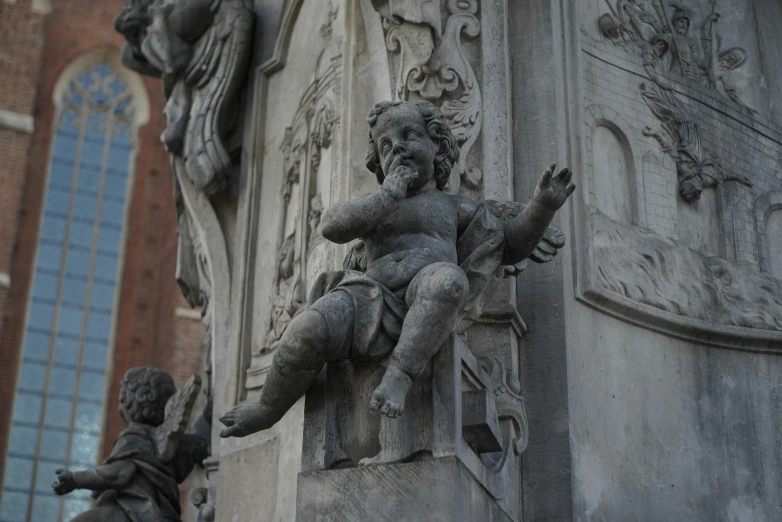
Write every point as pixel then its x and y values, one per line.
pixel 670 97
pixel 307 163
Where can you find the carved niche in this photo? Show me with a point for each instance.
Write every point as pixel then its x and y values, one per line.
pixel 309 162
pixel 431 63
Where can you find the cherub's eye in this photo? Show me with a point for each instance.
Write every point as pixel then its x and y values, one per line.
pixel 412 135
pixel 385 147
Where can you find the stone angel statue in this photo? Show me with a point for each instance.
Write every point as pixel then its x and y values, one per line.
pixel 200 49
pixel 139 481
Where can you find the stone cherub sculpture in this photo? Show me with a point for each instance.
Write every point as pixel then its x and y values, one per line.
pixel 138 482
pixel 426 261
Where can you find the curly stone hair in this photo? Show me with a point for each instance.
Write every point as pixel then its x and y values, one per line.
pixel 439 131
pixel 143 395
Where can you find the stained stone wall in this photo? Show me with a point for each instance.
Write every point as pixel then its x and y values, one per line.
pixel 648 353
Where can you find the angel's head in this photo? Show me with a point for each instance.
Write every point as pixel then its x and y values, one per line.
pixel 143 395
pixel 414 134
pixel 132 22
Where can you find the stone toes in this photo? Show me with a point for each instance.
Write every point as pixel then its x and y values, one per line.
pixel 384 409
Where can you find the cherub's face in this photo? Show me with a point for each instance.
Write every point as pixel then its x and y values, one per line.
pixel 401 138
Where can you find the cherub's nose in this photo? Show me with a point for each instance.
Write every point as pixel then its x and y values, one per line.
pixel 399 148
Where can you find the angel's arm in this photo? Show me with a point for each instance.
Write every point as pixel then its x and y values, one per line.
pixel 109 476
pixel 524 232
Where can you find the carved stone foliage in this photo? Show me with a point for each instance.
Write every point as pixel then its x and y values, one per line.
pixel 668 44
pixel 302 251
pixel 431 64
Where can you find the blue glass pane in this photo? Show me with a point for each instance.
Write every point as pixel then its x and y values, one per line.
pixel 96 126
pixel 109 238
pixel 65 144
pixel 32 377
pixel 86 205
pixel 71 320
pixel 66 350
pixel 102 295
pixel 75 506
pixel 89 180
pixel 81 234
pixel 53 227
pixel 49 256
pixel 45 286
pixel 13 507
pixel 119 156
pixel 78 262
pixel 19 473
pixel 54 445
pixel 113 212
pixel 27 408
pixel 36 346
pixel 99 326
pixel 23 440
pixel 106 267
pixel 63 380
pixel 46 507
pixel 61 176
pixel 95 355
pixel 91 385
pixel 116 186
pixel 88 417
pixel 41 315
pixel 74 290
pixel 43 481
pixel 57 201
pixel 58 413
pixel 84 449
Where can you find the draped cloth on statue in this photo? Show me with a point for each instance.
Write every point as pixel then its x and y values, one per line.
pixel 379 313
pixel 152 495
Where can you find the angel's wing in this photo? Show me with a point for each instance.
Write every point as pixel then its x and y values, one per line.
pixel 217 71
pixel 552 241
pixel 178 408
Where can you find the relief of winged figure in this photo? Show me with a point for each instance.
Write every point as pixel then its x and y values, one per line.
pixel 200 49
pixel 139 481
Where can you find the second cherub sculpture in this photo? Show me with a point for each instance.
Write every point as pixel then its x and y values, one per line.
pixel 139 481
pixel 426 260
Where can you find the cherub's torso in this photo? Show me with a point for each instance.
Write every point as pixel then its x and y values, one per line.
pixel 422 231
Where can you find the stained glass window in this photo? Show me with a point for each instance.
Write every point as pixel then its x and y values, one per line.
pixel 59 396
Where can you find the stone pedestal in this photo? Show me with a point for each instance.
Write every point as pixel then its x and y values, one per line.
pixel 453 455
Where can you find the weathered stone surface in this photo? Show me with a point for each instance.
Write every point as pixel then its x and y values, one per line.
pixel 248 484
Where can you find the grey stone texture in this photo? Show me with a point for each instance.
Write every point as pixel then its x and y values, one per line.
pixel 637 371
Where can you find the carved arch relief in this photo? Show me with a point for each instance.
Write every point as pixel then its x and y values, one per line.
pixel 613 184
pixel 768 227
pixel 665 269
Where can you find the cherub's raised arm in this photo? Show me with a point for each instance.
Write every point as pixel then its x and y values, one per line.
pixel 344 222
pixel 109 476
pixel 524 232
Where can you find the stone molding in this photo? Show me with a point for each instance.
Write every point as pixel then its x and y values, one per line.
pixel 5 280
pixel 16 121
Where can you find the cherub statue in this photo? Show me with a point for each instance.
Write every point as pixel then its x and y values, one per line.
pixel 138 482
pixel 427 259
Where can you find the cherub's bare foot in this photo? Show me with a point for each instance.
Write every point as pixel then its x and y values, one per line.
pixel 389 396
pixel 246 419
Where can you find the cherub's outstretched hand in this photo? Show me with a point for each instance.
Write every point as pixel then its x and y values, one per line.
pixel 65 482
pixel 553 190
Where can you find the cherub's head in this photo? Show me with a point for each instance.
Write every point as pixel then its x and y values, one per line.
pixel 143 395
pixel 414 134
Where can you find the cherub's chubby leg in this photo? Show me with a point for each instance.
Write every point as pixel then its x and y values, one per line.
pixel 312 338
pixel 435 297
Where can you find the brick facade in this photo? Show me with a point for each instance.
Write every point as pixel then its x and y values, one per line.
pixel 34 51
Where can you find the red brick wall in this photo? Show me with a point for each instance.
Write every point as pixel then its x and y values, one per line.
pixel 147 331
